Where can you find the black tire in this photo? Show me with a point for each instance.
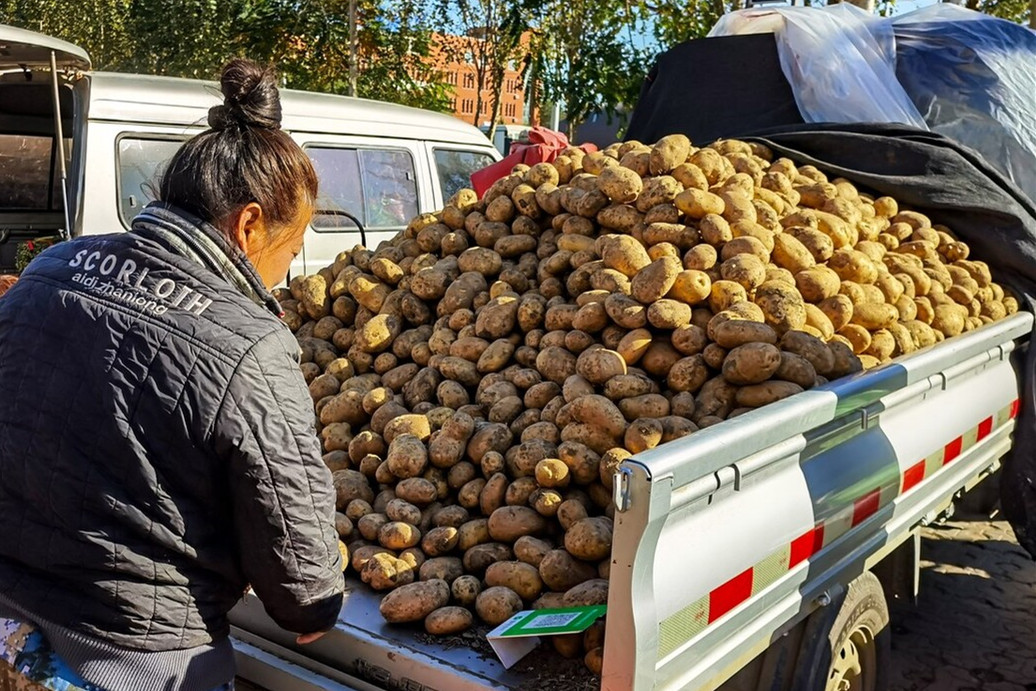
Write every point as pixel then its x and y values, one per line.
pixel 847 645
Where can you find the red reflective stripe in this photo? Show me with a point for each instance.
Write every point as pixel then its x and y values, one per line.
pixel 865 506
pixel 1014 407
pixel 985 427
pixel 806 545
pixel 952 450
pixel 913 475
pixel 730 595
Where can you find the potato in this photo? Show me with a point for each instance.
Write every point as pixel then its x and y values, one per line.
pixel 782 306
pixel 668 314
pixel 600 365
pixel 817 284
pixel 447 621
pixel 872 315
pixel 587 594
pixel 756 395
pixel 620 184
pixel 447 569
pixel 531 550
pixel 396 535
pixel 641 435
pixel 497 604
pixel 668 153
pixel 791 254
pixel 687 374
pixel 590 539
pixel 440 541
pixel 407 456
pixel 383 571
pixel 726 293
pixel 478 558
pixel 508 523
pixel 696 203
pixel 796 369
pixel 659 190
pixel 561 571
pixel 655 280
pixel 622 253
pixel 520 577
pixel 949 319
pixel 417 490
pixel 751 363
pixel 414 601
pixel 811 348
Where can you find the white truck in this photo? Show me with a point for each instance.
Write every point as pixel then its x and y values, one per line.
pixel 755 554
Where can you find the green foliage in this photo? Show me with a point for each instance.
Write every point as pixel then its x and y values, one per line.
pixel 307 41
pixel 28 250
pixel 589 55
pixel 1019 11
pixel 586 54
pixel 100 26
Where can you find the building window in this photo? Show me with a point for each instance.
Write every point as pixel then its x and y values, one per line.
pixel 451 78
pixel 469 81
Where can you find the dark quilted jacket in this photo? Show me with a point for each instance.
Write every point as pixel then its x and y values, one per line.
pixel 157 451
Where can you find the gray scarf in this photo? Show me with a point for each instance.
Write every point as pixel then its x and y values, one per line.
pixel 202 243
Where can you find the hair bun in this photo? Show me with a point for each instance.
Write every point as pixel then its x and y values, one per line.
pixel 250 97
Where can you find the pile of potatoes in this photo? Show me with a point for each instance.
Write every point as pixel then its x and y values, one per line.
pixel 478 379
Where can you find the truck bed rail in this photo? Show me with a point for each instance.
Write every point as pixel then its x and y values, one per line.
pixel 726 538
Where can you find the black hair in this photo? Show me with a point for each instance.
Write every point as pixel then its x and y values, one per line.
pixel 244 157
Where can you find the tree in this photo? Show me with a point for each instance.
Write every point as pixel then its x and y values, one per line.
pixel 488 35
pixel 1020 11
pixel 586 54
pixel 309 43
pixel 99 26
pixel 307 40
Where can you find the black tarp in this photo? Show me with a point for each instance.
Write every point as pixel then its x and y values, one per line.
pixel 714 87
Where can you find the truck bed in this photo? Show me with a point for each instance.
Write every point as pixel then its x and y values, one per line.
pixel 367 648
pixel 724 539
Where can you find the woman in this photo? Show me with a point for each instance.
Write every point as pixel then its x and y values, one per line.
pixel 157 452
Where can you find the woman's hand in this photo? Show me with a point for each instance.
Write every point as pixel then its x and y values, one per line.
pixel 305 638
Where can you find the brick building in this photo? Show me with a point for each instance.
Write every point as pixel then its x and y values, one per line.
pixel 455 57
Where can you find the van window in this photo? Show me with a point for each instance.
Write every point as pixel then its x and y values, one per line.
pixel 377 186
pixel 455 168
pixel 141 160
pixel 29 174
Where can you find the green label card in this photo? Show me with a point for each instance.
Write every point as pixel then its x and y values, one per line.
pixel 519 635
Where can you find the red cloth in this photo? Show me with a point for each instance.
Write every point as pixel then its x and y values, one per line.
pixel 543 147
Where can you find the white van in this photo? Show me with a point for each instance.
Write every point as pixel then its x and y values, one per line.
pixel 380 163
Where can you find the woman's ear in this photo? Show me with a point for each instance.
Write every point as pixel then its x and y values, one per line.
pixel 249 228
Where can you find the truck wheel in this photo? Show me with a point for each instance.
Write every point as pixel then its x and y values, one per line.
pixel 850 651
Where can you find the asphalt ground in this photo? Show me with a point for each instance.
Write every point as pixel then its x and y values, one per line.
pixel 974 627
